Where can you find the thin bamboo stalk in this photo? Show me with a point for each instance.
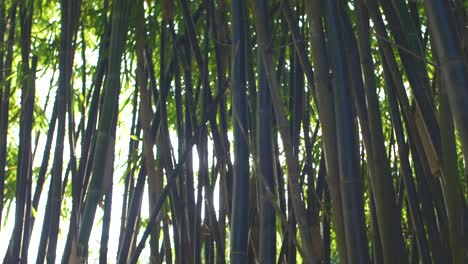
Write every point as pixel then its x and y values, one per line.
pixel 405 170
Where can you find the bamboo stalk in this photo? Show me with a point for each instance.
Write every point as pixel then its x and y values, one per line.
pixel 5 101
pixel 351 185
pixel 24 161
pixel 453 67
pixel 240 199
pixel 111 92
pixel 265 174
pixel 310 237
pixel 326 114
pixel 382 185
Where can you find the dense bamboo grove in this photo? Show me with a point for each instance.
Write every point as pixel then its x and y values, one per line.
pixel 217 131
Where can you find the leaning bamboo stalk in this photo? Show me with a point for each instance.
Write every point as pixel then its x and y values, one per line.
pixel 311 239
pixel 420 157
pixel 44 165
pixel 405 169
pixel 382 184
pixel 111 93
pixel 395 84
pixel 87 146
pixel 398 18
pixel 326 114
